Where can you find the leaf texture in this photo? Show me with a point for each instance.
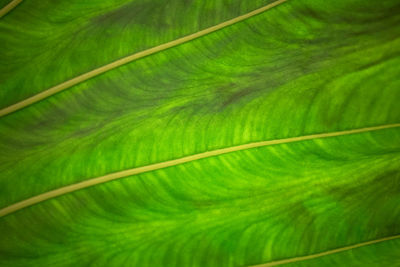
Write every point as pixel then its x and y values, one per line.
pixel 62 38
pixel 300 68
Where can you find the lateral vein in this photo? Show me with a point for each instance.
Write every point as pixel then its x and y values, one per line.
pixel 325 253
pixel 88 75
pixel 161 165
pixel 10 6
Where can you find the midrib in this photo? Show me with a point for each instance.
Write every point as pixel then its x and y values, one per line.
pixel 125 60
pixel 161 165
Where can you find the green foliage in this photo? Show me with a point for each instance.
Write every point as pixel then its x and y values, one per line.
pixel 300 68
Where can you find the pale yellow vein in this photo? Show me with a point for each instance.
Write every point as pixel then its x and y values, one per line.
pixel 152 167
pixel 88 75
pixel 326 253
pixel 10 6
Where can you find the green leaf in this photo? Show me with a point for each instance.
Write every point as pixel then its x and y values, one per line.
pixel 86 175
pixel 62 39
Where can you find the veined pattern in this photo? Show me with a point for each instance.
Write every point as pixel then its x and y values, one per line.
pixel 300 68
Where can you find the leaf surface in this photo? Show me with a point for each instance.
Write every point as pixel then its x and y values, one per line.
pixel 46 42
pixel 300 68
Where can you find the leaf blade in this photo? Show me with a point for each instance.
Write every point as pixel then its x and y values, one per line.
pixel 299 69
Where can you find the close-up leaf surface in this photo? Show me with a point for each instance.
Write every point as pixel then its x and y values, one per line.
pixel 273 139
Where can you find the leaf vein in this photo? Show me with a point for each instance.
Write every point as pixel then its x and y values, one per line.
pixel 125 60
pixel 326 253
pixel 9 7
pixel 161 165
